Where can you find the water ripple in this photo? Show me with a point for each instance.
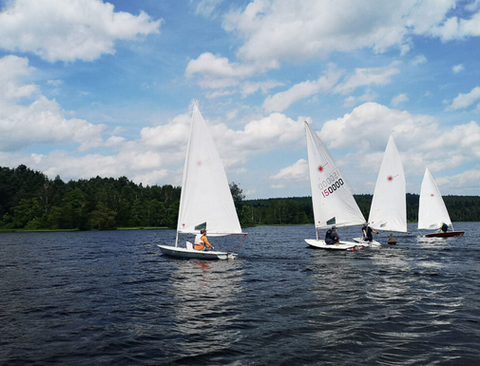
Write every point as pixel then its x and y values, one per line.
pixel 110 298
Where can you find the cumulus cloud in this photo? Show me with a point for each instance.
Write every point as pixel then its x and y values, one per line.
pixel 283 100
pixel 418 60
pixel 13 70
pixel 248 87
pixel 67 30
pixel 401 98
pixel 362 77
pixel 297 171
pixel 40 122
pixel 155 157
pixel 457 28
pixel 367 76
pixel 272 30
pixel 367 128
pixel 273 132
pixel 369 96
pixel 467 181
pixel 272 33
pixel 465 100
pixel 217 71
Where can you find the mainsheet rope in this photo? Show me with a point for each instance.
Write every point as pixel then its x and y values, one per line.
pixel 241 241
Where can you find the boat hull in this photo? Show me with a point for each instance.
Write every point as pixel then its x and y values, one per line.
pixel 185 253
pixel 367 243
pixel 448 234
pixel 343 245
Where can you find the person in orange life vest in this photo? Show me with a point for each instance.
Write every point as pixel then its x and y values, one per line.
pixel 201 241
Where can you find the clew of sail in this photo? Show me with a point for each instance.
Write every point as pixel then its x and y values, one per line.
pixel 206 200
pixel 333 203
pixel 389 206
pixel 432 212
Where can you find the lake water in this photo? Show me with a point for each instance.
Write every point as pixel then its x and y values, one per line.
pixel 111 298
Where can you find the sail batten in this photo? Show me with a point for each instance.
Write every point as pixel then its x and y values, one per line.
pixel 388 211
pixel 333 203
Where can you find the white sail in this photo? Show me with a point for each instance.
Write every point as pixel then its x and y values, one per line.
pixel 333 203
pixel 389 204
pixel 206 200
pixel 432 212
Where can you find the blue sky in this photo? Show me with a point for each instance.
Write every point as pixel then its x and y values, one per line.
pixel 93 88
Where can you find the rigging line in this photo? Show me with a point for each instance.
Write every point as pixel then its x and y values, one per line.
pixel 241 241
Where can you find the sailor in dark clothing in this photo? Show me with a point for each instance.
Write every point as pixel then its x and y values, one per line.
pixel 444 227
pixel 367 232
pixel 331 236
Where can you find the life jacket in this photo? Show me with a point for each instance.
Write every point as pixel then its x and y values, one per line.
pixel 199 247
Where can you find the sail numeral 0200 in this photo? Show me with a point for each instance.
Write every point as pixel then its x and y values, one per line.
pixel 336 185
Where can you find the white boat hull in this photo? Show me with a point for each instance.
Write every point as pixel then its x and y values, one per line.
pixel 343 245
pixel 367 243
pixel 194 254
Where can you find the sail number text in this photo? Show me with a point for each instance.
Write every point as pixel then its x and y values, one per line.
pixel 330 185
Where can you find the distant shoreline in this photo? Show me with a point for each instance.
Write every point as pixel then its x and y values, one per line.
pixel 72 230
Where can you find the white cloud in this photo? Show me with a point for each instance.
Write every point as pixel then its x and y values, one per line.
pixel 351 101
pixel 219 93
pixel 157 156
pixel 12 70
pixel 275 131
pixel 465 100
pixel 272 30
pixel 457 28
pixel 67 30
pixel 418 60
pixel 458 68
pixel 283 100
pixel 42 121
pixel 297 171
pixel 248 87
pixel 367 76
pixel 401 98
pixel 169 137
pixel 207 8
pixel 367 128
pixel 467 180
pixel 217 71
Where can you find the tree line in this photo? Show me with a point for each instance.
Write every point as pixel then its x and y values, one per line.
pixel 30 200
pixel 298 210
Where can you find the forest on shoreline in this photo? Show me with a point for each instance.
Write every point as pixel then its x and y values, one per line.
pixel 29 200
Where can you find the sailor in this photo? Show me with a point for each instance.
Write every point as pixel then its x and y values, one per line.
pixel 201 241
pixel 331 236
pixel 444 227
pixel 367 232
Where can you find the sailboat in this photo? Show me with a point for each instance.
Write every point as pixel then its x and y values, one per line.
pixel 388 211
pixel 432 212
pixel 205 201
pixel 333 203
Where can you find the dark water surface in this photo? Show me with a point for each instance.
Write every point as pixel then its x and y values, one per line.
pixel 111 298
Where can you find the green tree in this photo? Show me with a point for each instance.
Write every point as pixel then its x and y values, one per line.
pixel 102 217
pixel 26 211
pixel 238 197
pixel 75 210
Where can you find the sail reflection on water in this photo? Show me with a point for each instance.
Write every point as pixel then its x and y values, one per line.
pixel 206 303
